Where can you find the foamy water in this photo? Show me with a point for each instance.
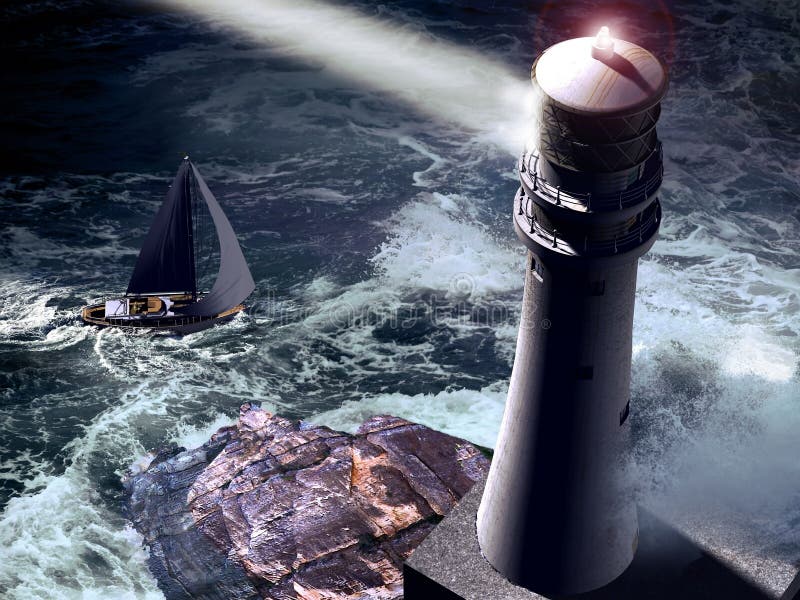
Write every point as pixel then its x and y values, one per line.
pixel 377 226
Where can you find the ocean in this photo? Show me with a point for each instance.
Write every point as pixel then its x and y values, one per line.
pixel 365 154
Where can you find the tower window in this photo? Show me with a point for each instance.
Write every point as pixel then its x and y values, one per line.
pixel 585 372
pixel 597 288
pixel 536 269
pixel 623 414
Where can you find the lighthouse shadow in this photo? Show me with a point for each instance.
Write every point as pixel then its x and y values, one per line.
pixel 668 565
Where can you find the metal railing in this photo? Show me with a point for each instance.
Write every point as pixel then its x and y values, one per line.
pixel 643 229
pixel 588 201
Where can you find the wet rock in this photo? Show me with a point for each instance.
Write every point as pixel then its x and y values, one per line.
pixel 272 508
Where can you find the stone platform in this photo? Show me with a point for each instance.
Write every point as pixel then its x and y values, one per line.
pixel 668 565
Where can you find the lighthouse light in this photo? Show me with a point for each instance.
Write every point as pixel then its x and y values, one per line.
pixel 603 39
pixel 603 46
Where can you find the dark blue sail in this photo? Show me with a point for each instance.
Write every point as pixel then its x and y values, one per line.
pixel 166 260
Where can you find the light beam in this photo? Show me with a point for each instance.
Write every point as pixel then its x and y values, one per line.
pixel 445 81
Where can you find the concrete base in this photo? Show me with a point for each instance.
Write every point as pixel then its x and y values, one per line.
pixel 448 565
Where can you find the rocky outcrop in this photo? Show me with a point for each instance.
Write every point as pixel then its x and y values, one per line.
pixel 271 508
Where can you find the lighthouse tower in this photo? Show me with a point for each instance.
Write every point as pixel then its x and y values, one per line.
pixel 556 515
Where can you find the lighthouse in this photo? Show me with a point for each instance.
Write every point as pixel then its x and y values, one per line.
pixel 557 515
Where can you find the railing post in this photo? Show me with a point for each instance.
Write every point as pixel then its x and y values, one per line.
pixel 520 205
pixel 640 227
pixel 558 195
pixel 555 238
pixel 535 180
pixel 533 221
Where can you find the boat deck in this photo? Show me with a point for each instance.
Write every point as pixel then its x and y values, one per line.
pixel 148 313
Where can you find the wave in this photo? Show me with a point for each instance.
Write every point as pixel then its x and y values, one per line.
pixel 471 414
pixel 432 246
pixel 63 541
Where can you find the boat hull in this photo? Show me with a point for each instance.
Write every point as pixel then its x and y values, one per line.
pixel 95 315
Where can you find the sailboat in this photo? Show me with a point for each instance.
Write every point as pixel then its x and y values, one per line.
pixel 162 293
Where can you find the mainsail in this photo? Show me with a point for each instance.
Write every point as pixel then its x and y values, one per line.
pixel 166 260
pixel 166 263
pixel 234 282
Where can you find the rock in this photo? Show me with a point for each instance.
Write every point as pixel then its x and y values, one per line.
pixel 271 508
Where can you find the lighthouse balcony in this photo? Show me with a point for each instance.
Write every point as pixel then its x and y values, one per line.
pixel 623 239
pixel 629 199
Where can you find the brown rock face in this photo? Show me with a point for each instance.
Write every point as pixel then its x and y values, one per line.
pixel 284 510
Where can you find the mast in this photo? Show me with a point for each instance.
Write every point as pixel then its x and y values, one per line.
pixel 190 194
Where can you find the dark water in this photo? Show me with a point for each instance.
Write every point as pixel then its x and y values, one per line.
pixel 372 204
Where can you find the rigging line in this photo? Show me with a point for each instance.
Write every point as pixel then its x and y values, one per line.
pixel 201 241
pixel 198 240
pixel 206 232
pixel 205 235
